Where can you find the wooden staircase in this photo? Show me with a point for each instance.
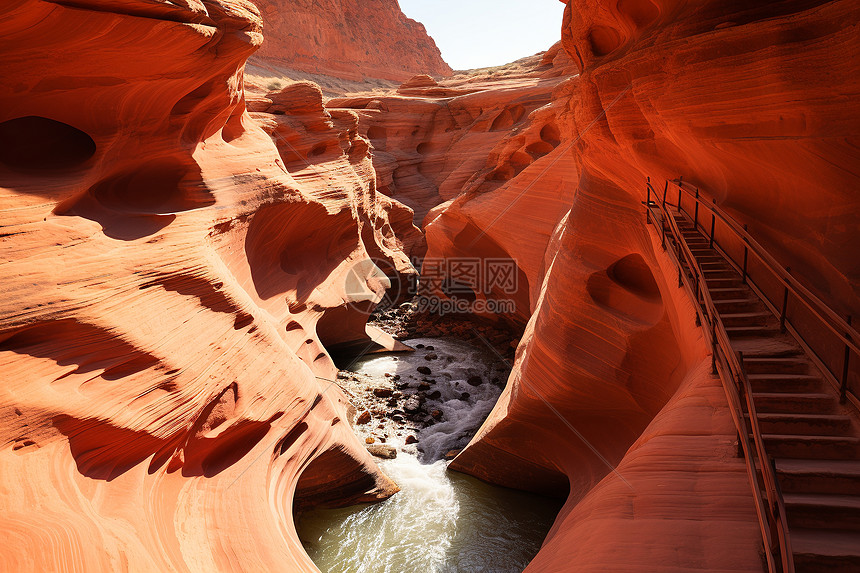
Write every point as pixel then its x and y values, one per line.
pixel 815 441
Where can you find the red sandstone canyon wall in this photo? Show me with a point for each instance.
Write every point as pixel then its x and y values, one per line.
pixel 176 269
pixel 170 274
pixel 730 96
pixel 349 39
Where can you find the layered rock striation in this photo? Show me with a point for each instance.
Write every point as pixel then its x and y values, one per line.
pixel 347 39
pixel 177 270
pixel 171 278
pixel 611 395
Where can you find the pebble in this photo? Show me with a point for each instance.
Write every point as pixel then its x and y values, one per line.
pixel 369 440
pixel 411 440
pixel 431 356
pixel 363 418
pixel 383 392
pixel 475 381
pixel 413 404
pixel 382 451
pixel 424 370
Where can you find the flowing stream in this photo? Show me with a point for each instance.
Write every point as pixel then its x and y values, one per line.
pixel 441 521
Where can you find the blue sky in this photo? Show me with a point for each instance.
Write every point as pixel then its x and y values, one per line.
pixel 483 33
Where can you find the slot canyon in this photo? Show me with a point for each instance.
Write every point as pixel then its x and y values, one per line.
pixel 222 221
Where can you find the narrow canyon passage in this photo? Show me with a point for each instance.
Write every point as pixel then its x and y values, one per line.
pixel 212 213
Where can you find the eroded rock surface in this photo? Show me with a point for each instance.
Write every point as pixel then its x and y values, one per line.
pixel 600 399
pixel 352 39
pixel 172 273
pixel 176 269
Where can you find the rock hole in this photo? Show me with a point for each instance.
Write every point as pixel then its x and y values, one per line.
pixel 291 437
pixel 242 320
pixel 633 274
pixel 153 188
pixel 192 99
pixel 508 117
pixel 604 40
pixel 539 149
pixel 318 149
pixel 640 12
pixel 550 134
pixel 520 160
pixel 378 136
pixel 501 173
pixel 38 143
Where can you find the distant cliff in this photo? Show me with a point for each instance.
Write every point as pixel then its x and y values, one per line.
pixel 340 39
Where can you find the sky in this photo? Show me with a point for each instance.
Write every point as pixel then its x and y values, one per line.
pixel 484 33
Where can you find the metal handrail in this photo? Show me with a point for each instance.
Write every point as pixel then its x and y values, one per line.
pixel 770 508
pixel 846 334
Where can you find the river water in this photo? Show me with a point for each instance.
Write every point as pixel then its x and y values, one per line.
pixel 441 521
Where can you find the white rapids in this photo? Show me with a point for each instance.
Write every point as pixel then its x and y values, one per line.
pixel 440 522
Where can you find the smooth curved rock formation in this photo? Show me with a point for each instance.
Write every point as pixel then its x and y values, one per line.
pixel 730 97
pixel 177 270
pixel 350 39
pixel 167 271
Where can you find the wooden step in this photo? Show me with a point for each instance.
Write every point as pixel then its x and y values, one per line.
pixel 789 402
pixel 819 476
pixel 818 551
pixel 747 319
pixel 754 331
pixel 731 305
pixel 804 424
pixel 728 293
pixel 709 258
pixel 776 365
pixel 724 282
pixel 811 447
pixel 710 274
pixel 792 383
pixel 822 511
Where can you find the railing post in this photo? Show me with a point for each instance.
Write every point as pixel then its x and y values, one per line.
pixel 746 256
pixel 665 190
pixel 713 345
pixel 663 221
pixel 696 214
pixel 713 225
pixel 843 387
pixel 648 203
pixel 697 291
pixel 784 306
pixel 740 381
pixel 698 316
pixel 680 190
